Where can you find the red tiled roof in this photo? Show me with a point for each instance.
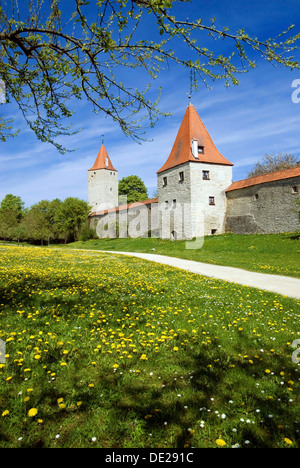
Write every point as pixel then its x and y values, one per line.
pixel 262 179
pixel 103 161
pixel 117 209
pixel 192 127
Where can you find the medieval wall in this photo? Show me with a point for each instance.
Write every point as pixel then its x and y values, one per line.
pixel 266 208
pixel 139 220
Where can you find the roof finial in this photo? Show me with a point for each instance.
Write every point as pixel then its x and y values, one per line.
pixel 102 139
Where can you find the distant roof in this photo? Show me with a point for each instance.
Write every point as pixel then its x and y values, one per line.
pixel 103 161
pixel 192 127
pixel 262 179
pixel 125 207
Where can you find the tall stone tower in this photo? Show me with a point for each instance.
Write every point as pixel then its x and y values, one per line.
pixel 192 183
pixel 102 183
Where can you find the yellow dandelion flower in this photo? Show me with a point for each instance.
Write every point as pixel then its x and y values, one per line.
pixel 267 371
pixel 220 442
pixel 143 357
pixel 5 413
pixel 32 412
pixel 288 441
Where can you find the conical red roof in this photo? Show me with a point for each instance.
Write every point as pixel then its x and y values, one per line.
pixel 192 128
pixel 103 161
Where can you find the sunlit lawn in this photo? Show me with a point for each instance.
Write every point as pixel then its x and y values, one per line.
pixel 265 253
pixel 109 351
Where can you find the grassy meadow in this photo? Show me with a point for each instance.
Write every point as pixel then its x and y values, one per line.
pixel 265 253
pixel 108 351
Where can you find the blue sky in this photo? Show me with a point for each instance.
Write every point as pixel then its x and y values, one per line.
pixel 245 121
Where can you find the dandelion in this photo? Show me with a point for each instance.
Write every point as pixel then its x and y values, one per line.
pixel 5 413
pixel 32 412
pixel 288 441
pixel 220 442
pixel 143 357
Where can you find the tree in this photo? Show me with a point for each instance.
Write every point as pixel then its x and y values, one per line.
pixel 52 53
pixel 35 226
pixel 11 212
pixel 273 163
pixel 134 188
pixel 72 214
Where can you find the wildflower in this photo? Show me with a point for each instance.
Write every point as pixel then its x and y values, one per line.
pixel 143 357
pixel 267 371
pixel 32 412
pixel 115 366
pixel 288 441
pixel 220 442
pixel 5 413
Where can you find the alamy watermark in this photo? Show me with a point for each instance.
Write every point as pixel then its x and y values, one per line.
pixel 2 351
pixel 175 221
pixel 296 353
pixel 296 93
pixel 2 92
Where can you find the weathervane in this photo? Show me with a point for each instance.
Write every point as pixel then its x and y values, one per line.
pixel 102 139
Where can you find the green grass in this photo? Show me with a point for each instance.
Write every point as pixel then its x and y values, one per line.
pixel 265 253
pixel 118 352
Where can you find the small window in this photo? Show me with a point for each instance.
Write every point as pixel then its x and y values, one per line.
pixel 200 149
pixel 211 200
pixel 213 231
pixel 106 162
pixel 111 189
pixel 205 175
pixel 256 196
pixel 174 203
pixel 165 181
pixel 181 176
pixel 166 204
pixel 295 189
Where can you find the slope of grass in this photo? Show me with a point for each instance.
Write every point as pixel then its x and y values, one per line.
pixel 109 351
pixel 266 253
